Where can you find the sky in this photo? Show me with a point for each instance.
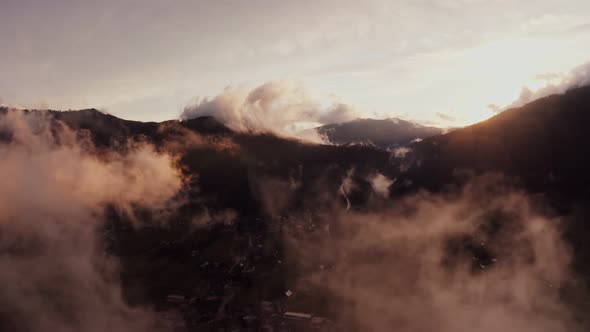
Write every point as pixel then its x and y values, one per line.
pixel 437 62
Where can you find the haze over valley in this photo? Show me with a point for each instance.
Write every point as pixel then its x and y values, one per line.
pixel 266 166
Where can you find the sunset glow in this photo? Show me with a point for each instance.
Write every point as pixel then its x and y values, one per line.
pixel 151 59
pixel 294 165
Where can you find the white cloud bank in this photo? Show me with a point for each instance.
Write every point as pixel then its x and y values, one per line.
pixel 284 108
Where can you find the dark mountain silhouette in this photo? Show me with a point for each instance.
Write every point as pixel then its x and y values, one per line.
pixel 227 177
pixel 381 133
pixel 542 143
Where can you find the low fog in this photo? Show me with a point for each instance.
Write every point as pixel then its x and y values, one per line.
pixel 483 257
pixel 55 272
pixel 480 256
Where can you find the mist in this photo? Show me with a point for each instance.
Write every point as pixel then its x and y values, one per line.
pixel 343 228
pixel 56 273
pixel 482 257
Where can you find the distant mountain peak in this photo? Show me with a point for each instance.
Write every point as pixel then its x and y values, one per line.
pixel 382 133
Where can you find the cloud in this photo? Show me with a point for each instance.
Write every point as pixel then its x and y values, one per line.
pixel 482 258
pixel 403 157
pixel 495 108
pixel 178 139
pixel 401 151
pixel 380 184
pixel 284 108
pixel 56 272
pixel 555 83
pixel 445 117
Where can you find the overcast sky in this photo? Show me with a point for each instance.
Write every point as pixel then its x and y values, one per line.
pixel 436 61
